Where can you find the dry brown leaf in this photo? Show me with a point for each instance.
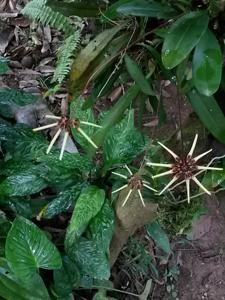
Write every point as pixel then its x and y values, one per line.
pixel 128 219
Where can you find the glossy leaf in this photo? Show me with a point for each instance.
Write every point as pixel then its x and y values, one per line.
pixel 74 9
pixel 207 64
pixel 66 278
pixel 182 37
pixel 137 75
pixel 89 54
pixel 123 143
pixel 159 236
pixel 22 184
pixel 61 203
pixel 87 206
pixel 209 113
pixel 111 12
pixel 144 8
pixel 28 249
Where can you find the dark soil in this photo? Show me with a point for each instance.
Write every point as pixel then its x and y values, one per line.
pixel 202 266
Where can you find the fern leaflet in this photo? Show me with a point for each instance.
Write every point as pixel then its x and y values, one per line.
pixel 65 57
pixel 40 12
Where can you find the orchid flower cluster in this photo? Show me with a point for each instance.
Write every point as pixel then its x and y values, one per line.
pixel 134 183
pixel 183 169
pixel 65 124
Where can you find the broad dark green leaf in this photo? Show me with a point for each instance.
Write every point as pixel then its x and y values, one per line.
pixel 111 12
pixel 11 98
pixel 209 113
pixel 159 236
pixel 74 9
pixel 3 66
pixel 101 227
pixel 61 203
pixel 13 288
pixel 207 64
pixel 66 278
pixel 137 75
pixel 144 8
pixel 5 226
pixel 123 143
pixel 115 114
pixel 87 206
pixel 182 37
pixel 28 249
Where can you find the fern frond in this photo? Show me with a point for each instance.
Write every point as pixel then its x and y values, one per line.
pixel 65 57
pixel 38 10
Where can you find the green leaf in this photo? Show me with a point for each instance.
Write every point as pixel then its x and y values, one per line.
pixel 28 249
pixel 101 227
pixel 12 98
pixel 209 113
pixel 182 37
pixel 66 278
pixel 159 236
pixel 88 205
pixel 115 114
pixel 89 54
pixel 207 64
pixel 137 75
pixel 25 183
pixel 123 143
pixel 146 9
pixel 64 201
pixel 111 12
pixel 3 66
pixel 76 112
pixel 90 258
pixel 13 288
pixel 74 9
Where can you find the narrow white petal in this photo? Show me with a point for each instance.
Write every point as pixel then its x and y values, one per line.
pixel 200 185
pixel 209 168
pixel 193 146
pixel 148 187
pixel 52 117
pixel 53 140
pixel 87 137
pixel 45 127
pixel 64 145
pixel 188 189
pixel 127 197
pixel 120 189
pixel 168 150
pixel 159 165
pixel 168 185
pixel 163 174
pixel 201 155
pixel 129 170
pixel 90 124
pixel 120 175
pixel 140 195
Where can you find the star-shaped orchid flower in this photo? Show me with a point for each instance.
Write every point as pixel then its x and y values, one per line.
pixel 65 124
pixel 134 182
pixel 185 169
